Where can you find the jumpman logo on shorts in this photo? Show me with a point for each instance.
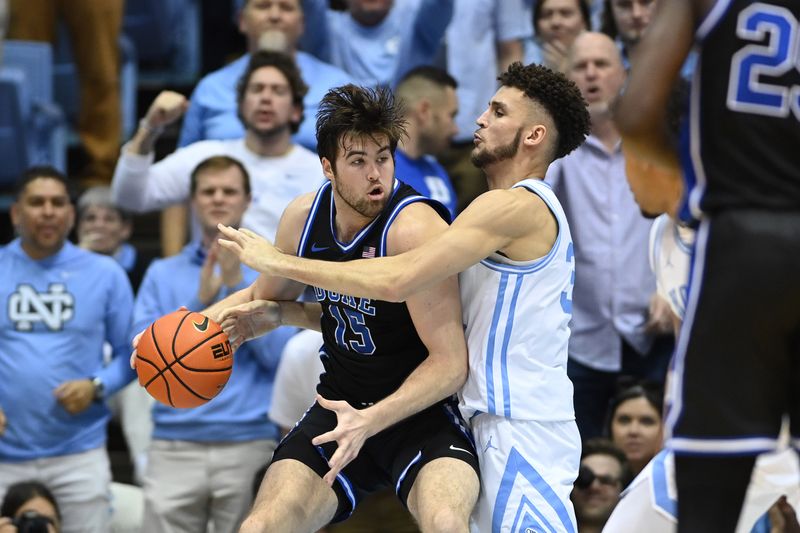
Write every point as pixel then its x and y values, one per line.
pixel 489 445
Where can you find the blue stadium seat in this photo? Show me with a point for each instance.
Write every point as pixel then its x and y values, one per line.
pixel 166 35
pixel 15 151
pixel 44 131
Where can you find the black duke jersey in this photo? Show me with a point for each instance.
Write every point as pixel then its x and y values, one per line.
pixel 743 148
pixel 370 346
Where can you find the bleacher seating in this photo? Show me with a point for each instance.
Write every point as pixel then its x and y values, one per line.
pixel 37 129
pixel 166 36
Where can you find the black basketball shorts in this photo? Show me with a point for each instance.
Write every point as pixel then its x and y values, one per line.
pixel 393 457
pixel 737 367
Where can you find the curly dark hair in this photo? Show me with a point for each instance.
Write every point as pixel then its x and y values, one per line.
pixel 287 66
pixel 357 111
pixel 559 96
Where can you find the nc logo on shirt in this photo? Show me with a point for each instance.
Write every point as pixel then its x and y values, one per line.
pixel 27 306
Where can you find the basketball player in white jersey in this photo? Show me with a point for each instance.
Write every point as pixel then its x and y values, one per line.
pixel 650 501
pixel 513 248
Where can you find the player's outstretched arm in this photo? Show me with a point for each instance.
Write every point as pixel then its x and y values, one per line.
pixel 640 111
pixel 490 223
pixel 436 313
pixel 266 286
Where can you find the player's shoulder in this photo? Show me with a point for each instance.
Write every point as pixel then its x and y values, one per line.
pixel 414 224
pixel 300 207
pixel 418 214
pixel 514 201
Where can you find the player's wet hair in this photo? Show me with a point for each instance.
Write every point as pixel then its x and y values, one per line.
pixel 286 65
pixel 356 111
pixel 559 96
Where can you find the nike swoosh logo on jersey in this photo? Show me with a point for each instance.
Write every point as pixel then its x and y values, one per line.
pixel 461 450
pixel 202 326
pixel 315 248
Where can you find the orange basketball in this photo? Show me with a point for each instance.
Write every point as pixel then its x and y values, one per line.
pixel 184 359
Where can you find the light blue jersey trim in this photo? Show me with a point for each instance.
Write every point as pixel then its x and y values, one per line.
pixel 537 264
pixel 517 465
pixel 310 220
pixel 525 505
pixel 661 497
pixel 490 344
pixel 504 354
pixel 403 474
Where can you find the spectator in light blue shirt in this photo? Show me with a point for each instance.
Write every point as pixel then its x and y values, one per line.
pixel 429 97
pixel 201 460
pixel 59 305
pixel 377 42
pixel 267 24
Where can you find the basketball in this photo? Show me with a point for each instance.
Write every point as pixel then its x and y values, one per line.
pixel 183 359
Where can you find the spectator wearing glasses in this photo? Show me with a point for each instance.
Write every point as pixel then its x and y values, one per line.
pixel 603 474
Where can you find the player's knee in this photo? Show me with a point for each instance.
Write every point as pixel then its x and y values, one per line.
pixel 448 520
pixel 274 520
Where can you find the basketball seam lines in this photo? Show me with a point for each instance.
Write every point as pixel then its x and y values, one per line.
pixel 168 366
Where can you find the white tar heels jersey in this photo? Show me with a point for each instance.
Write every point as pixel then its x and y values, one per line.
pixel 517 325
pixel 670 259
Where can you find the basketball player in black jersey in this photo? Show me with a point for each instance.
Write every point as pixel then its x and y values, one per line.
pixel 383 415
pixel 738 363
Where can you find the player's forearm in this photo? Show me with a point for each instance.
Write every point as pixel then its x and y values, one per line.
pixel 436 378
pixel 239 297
pixel 301 315
pixel 380 278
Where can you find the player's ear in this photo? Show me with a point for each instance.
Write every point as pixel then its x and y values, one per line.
pixel 536 135
pixel 327 168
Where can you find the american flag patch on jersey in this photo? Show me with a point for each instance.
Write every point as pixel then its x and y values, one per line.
pixel 369 251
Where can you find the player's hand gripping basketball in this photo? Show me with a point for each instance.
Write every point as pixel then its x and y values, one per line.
pixel 353 428
pixel 135 341
pixel 250 320
pixel 251 249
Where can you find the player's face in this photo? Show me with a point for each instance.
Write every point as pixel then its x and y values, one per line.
pixel 364 175
pixel 267 109
pixel 636 429
pixel 596 68
pixel 435 137
pixel 43 216
pixel 560 20
pixel 102 229
pixel 632 17
pixel 500 128
pixel 260 16
pixel 220 198
pixel 594 503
